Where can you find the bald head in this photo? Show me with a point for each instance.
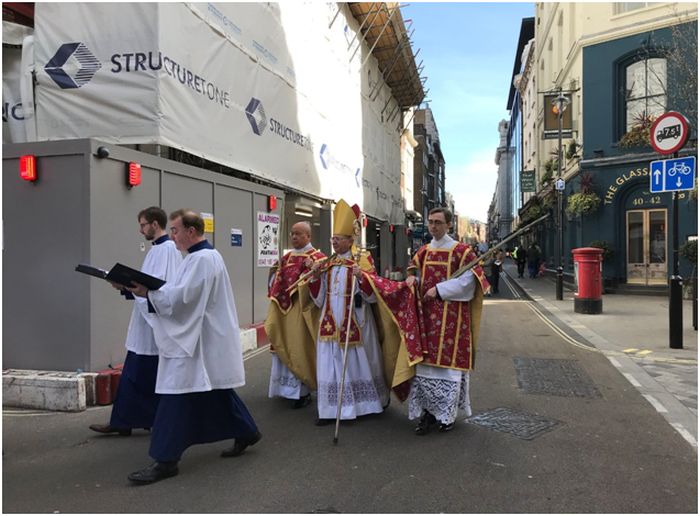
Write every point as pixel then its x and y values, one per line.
pixel 301 234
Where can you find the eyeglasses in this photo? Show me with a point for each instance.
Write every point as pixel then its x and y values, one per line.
pixel 142 224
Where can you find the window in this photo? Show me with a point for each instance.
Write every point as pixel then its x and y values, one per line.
pixel 645 90
pixel 624 7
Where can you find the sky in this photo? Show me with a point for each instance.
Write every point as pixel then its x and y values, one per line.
pixel 468 50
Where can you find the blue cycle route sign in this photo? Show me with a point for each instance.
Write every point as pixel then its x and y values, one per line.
pixel 669 175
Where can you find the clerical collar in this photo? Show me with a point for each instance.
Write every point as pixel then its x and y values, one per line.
pixel 204 244
pixel 347 254
pixel 443 242
pixel 160 240
pixel 307 247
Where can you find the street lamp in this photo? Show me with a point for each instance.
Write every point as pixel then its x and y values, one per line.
pixel 559 106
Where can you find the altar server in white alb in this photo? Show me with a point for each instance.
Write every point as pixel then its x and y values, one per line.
pixel 201 361
pixel 136 401
pixel 364 391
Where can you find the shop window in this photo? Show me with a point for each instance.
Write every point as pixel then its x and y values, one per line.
pixel 644 90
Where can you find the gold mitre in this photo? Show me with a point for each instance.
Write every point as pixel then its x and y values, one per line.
pixel 345 219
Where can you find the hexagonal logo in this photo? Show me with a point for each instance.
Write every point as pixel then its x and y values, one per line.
pixel 324 155
pixel 256 116
pixel 72 66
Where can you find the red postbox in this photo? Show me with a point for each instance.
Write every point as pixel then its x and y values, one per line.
pixel 588 273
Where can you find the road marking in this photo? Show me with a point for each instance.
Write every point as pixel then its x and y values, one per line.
pixel 644 353
pixel 615 362
pixel 686 435
pixel 655 403
pixel 255 353
pixel 630 350
pixel 632 379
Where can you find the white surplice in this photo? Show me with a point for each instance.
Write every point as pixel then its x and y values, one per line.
pixel 365 391
pixel 196 328
pixel 161 261
pixel 442 391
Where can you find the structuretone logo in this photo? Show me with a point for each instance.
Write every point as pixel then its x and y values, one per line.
pixel 72 66
pixel 256 116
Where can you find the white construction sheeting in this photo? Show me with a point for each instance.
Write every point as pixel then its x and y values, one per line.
pixel 263 88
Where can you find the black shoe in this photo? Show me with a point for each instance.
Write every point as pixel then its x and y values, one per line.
pixel 446 427
pixel 324 422
pixel 107 429
pixel 302 402
pixel 155 472
pixel 240 445
pixel 426 420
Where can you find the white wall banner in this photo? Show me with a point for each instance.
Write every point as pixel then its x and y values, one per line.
pixel 13 113
pixel 268 247
pixel 234 83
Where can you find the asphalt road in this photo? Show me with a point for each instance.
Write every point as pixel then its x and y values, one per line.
pixel 608 450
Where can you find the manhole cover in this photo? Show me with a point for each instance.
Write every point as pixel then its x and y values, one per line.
pixel 554 376
pixel 521 425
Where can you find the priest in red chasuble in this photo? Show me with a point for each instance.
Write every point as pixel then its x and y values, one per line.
pixel 292 322
pixel 449 313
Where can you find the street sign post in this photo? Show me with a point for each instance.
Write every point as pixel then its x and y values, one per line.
pixel 668 135
pixel 669 175
pixel 559 185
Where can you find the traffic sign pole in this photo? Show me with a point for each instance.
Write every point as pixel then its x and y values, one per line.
pixel 675 302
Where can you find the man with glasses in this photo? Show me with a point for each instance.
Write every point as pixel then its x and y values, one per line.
pixel 450 313
pixel 293 372
pixel 136 400
pixel 201 359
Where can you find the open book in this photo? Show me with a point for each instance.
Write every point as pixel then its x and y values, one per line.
pixel 122 275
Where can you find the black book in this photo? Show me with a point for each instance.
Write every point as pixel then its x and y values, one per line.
pixel 122 275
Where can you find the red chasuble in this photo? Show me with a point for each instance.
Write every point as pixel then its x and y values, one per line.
pixel 450 327
pixel 290 268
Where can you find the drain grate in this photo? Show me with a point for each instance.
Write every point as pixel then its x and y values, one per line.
pixel 554 376
pixel 520 424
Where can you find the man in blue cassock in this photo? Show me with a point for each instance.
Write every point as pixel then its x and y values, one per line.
pixel 201 361
pixel 136 400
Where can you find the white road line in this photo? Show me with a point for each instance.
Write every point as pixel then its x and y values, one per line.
pixel 615 362
pixel 655 403
pixel 255 353
pixel 685 434
pixel 632 379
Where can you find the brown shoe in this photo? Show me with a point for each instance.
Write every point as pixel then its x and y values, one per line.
pixel 107 429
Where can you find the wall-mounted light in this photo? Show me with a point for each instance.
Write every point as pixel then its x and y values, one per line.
pixel 133 177
pixel 271 202
pixel 27 167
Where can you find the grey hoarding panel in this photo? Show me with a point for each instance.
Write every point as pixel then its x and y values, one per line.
pixel 46 304
pixel 234 211
pixel 189 193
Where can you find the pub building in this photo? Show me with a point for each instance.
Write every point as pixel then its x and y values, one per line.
pixel 621 80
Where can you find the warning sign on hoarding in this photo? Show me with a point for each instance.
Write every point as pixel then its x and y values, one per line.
pixel 268 243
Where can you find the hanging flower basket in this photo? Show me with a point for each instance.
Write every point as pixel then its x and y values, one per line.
pixel 582 203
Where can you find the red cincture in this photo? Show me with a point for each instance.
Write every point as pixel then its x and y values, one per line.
pixel 290 268
pixel 329 329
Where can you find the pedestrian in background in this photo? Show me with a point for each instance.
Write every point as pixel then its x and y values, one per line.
pixel 136 400
pixel 201 360
pixel 496 268
pixel 533 260
pixel 520 257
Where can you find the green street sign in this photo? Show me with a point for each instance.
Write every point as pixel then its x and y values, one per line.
pixel 527 181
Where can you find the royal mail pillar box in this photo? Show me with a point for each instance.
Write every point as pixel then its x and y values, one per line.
pixel 588 272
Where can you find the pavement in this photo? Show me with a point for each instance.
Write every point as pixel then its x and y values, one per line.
pixel 632 332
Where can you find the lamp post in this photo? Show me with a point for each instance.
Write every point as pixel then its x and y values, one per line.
pixel 559 106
